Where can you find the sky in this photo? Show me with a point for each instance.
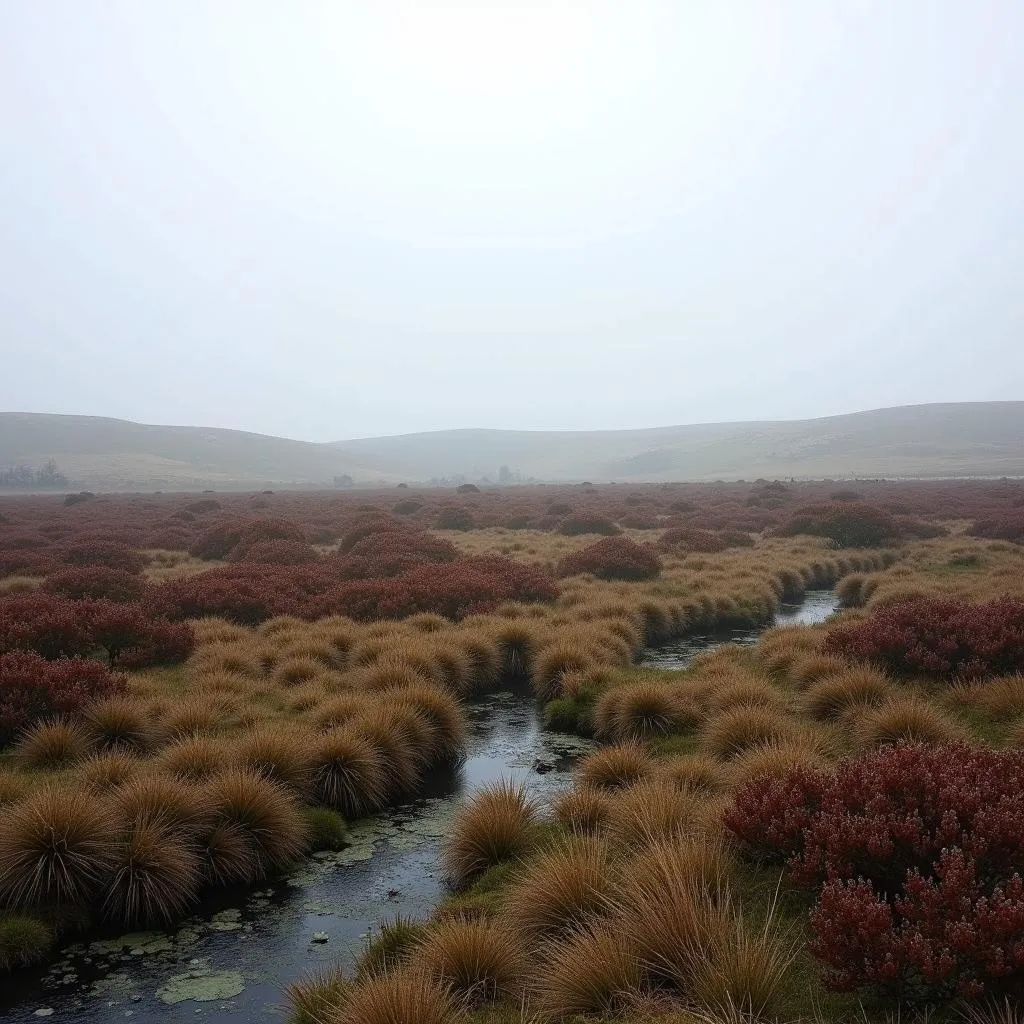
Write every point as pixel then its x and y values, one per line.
pixel 327 220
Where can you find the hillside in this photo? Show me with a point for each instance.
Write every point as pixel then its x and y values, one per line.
pixel 963 439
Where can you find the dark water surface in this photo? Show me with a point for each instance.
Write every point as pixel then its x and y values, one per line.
pixel 233 960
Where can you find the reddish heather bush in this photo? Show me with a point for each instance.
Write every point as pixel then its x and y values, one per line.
pixel 454 517
pixel 280 552
pixel 391 552
pixel 33 688
pixel 614 558
pixel 693 539
pixel 131 635
pixel 47 624
pixel 106 553
pixel 581 522
pixel 26 563
pixel 848 524
pixel 231 538
pixel 246 594
pixel 1008 525
pixel 97 582
pixel 914 852
pixel 22 541
pixel 365 526
pixel 943 638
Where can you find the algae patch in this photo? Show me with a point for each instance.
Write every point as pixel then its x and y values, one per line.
pixel 201 985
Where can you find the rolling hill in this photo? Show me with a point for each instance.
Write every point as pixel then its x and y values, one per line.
pixel 956 439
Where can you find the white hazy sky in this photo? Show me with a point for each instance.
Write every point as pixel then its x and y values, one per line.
pixel 328 220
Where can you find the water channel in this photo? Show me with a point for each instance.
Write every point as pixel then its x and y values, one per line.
pixel 233 960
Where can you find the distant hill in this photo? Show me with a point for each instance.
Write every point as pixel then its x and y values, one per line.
pixel 956 439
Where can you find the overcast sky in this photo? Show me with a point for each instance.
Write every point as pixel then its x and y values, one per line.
pixel 330 220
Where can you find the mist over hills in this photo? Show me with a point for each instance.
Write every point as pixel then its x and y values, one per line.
pixel 937 440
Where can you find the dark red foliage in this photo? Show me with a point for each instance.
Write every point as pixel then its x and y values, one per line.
pixel 96 582
pixel 231 538
pixel 581 522
pixel 1008 525
pixel 914 853
pixel 939 637
pixel 848 524
pixel 131 635
pixel 25 563
pixel 47 624
pixel 454 517
pixel 105 553
pixel 693 539
pixel 33 688
pixel 281 552
pixel 366 525
pixel 613 558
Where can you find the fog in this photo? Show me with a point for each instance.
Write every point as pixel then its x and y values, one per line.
pixel 331 220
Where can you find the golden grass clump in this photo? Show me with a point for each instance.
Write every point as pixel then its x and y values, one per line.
pixel 57 848
pixel 406 997
pixel 211 631
pixel 484 658
pixel 733 731
pixel 498 824
pixel 159 799
pixel 119 723
pixel 318 998
pixel 281 754
pixel 340 710
pixel 853 690
pixel 155 877
pixel 315 648
pixel 50 745
pixel 400 758
pixel 560 889
pixel 615 767
pixel 348 773
pixel 594 971
pixel 198 713
pixel 779 648
pixel 267 815
pixel 692 773
pixel 12 787
pixel 642 711
pixel 234 657
pixel 226 854
pixel 518 641
pixel 390 672
pixel 774 759
pixel 813 667
pixel 555 661
pixel 444 713
pixel 106 771
pixel 194 759
pixel 453 667
pixel 745 691
pixel 295 669
pixel 476 961
pixel 391 947
pixel 1002 697
pixel 908 718
pixel 584 811
pixel 652 810
pixel 1014 739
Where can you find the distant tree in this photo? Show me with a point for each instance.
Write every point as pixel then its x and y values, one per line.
pixel 344 481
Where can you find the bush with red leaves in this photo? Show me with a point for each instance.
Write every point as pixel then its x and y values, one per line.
pixel 33 688
pixel 366 525
pixel 281 552
pixel 468 586
pixel 1008 525
pixel 914 853
pixel 391 552
pixel 25 563
pixel 98 583
pixel 613 558
pixel 231 538
pixel 693 539
pixel 943 638
pixel 454 517
pixel 848 524
pixel 132 636
pixel 105 553
pixel 47 624
pixel 581 522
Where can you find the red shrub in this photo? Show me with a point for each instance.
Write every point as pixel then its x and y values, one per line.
pixel 231 538
pixel 32 688
pixel 704 541
pixel 364 526
pixel 96 582
pixel 454 517
pixel 1008 525
pixel 49 625
pixel 581 522
pixel 25 563
pixel 614 558
pixel 281 552
pixel 392 552
pixel 131 635
pixel 848 524
pixel 915 853
pixel 939 637
pixel 106 553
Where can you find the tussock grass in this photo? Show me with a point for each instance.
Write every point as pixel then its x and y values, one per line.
pixel 518 642
pixel 454 668
pixel 317 998
pixel 652 811
pixel 409 997
pixel 445 716
pixel 642 711
pixel 553 662
pixel 474 960
pixel 728 734
pixel 497 825
pixel 774 758
pixel 119 723
pixel 194 715
pixel 161 800
pixel 283 755
pixel 908 718
pixel 53 744
pixel 390 948
pixel 56 848
pixel 13 787
pixel 195 759
pixel 402 762
pixel 24 941
pixel 296 669
pixel 692 773
pixel 226 853
pixel 560 889
pixel 339 710
pixel 853 690
pixel 583 811
pixel 106 771
pixel 155 878
pixel 614 767
pixel 594 971
pixel 348 773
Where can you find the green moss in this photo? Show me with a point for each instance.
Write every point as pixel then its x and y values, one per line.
pixel 327 828
pixel 391 945
pixel 571 714
pixel 23 941
pixel 669 746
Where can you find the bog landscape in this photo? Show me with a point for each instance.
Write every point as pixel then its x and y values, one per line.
pixel 664 752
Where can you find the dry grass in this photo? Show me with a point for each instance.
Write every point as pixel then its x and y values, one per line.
pixel 584 811
pixel 51 745
pixel 852 690
pixel 694 773
pixel 614 767
pixel 473 960
pixel 283 755
pixel 908 718
pixel 642 711
pixel 407 997
pixel 499 824
pixel 318 998
pixel 654 811
pixel 106 771
pixel 732 732
pixel 119 723
pixel 348 773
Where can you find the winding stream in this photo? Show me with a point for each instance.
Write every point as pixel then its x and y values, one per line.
pixel 233 960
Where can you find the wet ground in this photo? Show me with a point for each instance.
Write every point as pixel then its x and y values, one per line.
pixel 233 960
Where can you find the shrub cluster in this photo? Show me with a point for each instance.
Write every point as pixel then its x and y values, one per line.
pixel 848 524
pixel 942 638
pixel 581 522
pixel 230 538
pixel 913 853
pixel 1007 525
pixel 614 558
pixel 33 688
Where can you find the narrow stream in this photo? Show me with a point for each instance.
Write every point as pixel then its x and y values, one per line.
pixel 234 959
